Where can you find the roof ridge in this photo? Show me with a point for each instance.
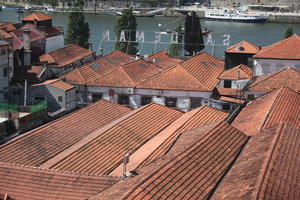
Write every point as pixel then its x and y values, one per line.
pixel 80 74
pixel 55 170
pixel 267 161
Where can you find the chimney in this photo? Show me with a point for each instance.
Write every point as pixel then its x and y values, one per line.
pixel 90 46
pixel 137 57
pixel 26 46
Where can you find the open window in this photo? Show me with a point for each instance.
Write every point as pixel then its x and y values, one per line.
pixel 123 99
pixel 170 102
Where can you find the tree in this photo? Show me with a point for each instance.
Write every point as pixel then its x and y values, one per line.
pixel 175 48
pixel 288 32
pixel 193 39
pixel 126 25
pixel 78 30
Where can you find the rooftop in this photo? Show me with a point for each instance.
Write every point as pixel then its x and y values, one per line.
pixel 266 168
pixel 4 35
pixel 279 106
pixel 286 77
pixel 285 49
pixel 37 16
pixel 191 170
pixel 7 27
pixel 163 60
pixel 205 68
pixel 237 73
pixel 244 47
pixel 66 55
pixel 105 149
pixel 41 144
pixel 56 83
pixel 24 182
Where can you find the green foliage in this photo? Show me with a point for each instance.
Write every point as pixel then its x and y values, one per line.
pixel 193 39
pixel 288 32
pixel 175 49
pixel 126 23
pixel 78 30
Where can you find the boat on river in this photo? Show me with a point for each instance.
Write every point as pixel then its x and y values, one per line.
pixel 235 15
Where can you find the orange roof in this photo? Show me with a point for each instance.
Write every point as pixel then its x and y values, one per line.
pixel 266 168
pixel 163 60
pixel 36 70
pixel 285 49
pixel 279 106
pixel 244 47
pixel 5 35
pixel 66 55
pixel 286 77
pixel 41 144
pixel 174 78
pixel 238 72
pixel 104 151
pixel 37 16
pixel 191 170
pixel 56 83
pixel 24 182
pixel 229 99
pixel 205 68
pixel 228 92
pixel 8 27
pixel 161 144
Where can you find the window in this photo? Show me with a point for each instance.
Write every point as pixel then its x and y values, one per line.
pixel 226 106
pixel 96 96
pixel 196 102
pixel 227 83
pixel 171 102
pixel 146 100
pixel 60 98
pixel 250 96
pixel 123 99
pixel 5 71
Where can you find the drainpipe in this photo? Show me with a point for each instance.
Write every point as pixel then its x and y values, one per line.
pixel 25 93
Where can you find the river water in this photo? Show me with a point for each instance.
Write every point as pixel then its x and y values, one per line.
pixel 258 33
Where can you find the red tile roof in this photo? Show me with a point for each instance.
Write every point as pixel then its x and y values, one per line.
pixel 5 35
pixel 279 106
pixel 80 76
pixel 205 68
pixel 56 83
pixel 41 144
pixel 163 60
pixel 268 168
pixel 34 33
pixel 228 91
pixel 37 16
pixel 66 55
pixel 244 47
pixel 7 27
pixel 229 99
pixel 286 77
pixel 236 73
pixel 285 49
pixel 104 151
pixel 24 182
pixel 191 170
pixel 36 70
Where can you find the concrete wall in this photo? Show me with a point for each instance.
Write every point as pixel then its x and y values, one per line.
pixel 54 43
pixel 4 67
pixel 236 84
pixel 265 66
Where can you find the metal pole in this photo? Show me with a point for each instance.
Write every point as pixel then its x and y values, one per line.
pixel 25 93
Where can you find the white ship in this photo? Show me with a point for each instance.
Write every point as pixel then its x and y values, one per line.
pixel 234 15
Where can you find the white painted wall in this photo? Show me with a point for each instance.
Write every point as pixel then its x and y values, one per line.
pixel 267 66
pixel 54 43
pixel 235 84
pixel 4 80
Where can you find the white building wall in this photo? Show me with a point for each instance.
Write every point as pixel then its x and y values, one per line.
pixel 54 43
pixel 266 66
pixel 4 67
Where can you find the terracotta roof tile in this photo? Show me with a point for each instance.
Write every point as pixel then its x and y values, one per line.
pixel 285 49
pixel 66 55
pixel 5 35
pixel 244 47
pixel 266 169
pixel 286 77
pixel 191 170
pixel 34 33
pixel 229 99
pixel 80 76
pixel 236 73
pixel 56 83
pixel 163 60
pixel 228 91
pixel 7 27
pixel 23 182
pixel 37 16
pixel 36 70
pixel 41 144
pixel 279 106
pixel 104 151
pixel 205 68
